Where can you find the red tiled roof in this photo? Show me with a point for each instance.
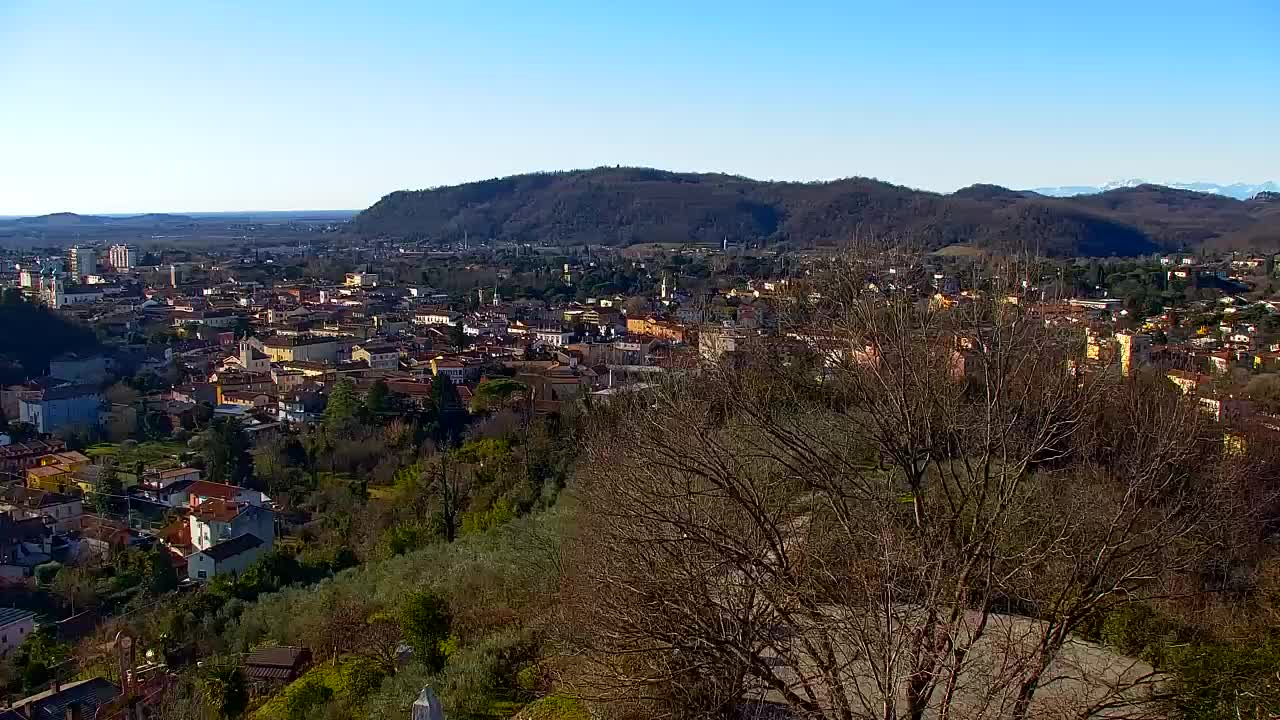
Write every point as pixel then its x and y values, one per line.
pixel 216 510
pixel 210 489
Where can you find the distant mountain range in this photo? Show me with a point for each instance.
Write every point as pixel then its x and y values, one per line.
pixel 65 228
pixel 1239 191
pixel 65 219
pixel 624 206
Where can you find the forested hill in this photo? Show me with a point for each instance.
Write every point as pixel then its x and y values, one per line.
pixel 623 206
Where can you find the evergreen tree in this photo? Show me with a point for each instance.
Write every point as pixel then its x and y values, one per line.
pixel 226 451
pixel 342 404
pixel 449 417
pixel 425 621
pixel 444 396
pixel 457 336
pixel 378 399
pixel 225 687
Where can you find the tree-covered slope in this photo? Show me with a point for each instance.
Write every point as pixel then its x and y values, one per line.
pixel 622 206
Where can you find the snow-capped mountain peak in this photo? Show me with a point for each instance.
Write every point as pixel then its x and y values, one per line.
pixel 1239 190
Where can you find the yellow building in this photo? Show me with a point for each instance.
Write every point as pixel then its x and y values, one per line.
pixel 50 478
pixel 56 472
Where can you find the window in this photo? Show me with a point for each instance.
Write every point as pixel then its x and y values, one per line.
pixel 202 574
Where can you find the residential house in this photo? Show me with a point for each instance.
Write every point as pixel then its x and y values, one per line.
pixel 203 490
pixel 1187 381
pixel 301 406
pixel 288 379
pixel 108 537
pixel 60 511
pixel 15 626
pixel 119 421
pixel 715 342
pixel 1223 409
pixel 16 457
pixel 418 393
pixel 633 350
pixel 229 557
pixel 216 521
pixel 170 487
pixel 380 356
pixel 85 369
pixel 552 383
pixel 242 382
pixel 57 472
pixel 57 408
pixel 196 393
pixel 459 369
pixel 227 537
pixel 24 544
pixel 1219 362
pixel 249 399
pixel 32 388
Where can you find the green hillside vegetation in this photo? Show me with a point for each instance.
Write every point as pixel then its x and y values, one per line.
pixel 498 585
pixel 626 206
pixel 21 321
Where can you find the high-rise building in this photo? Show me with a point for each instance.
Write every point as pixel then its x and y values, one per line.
pixel 1135 351
pixel 123 257
pixel 83 261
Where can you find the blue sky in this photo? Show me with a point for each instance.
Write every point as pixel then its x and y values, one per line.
pixel 118 106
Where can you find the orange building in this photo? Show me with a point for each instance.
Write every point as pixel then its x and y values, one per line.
pixel 662 329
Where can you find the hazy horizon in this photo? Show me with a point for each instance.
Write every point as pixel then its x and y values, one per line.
pixel 151 106
pixel 253 211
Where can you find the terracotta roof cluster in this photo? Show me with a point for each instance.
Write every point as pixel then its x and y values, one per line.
pixel 216 510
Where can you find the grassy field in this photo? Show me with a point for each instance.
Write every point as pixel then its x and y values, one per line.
pixel 959 251
pixel 150 453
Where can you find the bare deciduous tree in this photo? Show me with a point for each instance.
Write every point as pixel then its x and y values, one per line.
pixel 897 510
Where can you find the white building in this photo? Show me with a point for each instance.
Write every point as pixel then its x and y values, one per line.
pixel 230 557
pixel 15 626
pixel 169 487
pixel 228 537
pixel 253 358
pixel 122 257
pixel 553 337
pixel 435 317
pixel 215 521
pixel 59 296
